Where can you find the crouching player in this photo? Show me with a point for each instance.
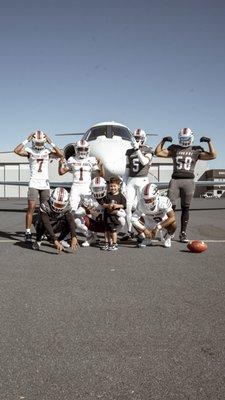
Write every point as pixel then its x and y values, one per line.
pixel 154 214
pixel 54 217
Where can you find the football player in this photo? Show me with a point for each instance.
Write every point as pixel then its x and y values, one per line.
pixel 139 159
pixel 55 217
pixel 38 155
pixel 89 217
pixel 82 167
pixel 184 156
pixel 154 214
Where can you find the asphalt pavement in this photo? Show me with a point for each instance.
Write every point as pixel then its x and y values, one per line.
pixel 136 324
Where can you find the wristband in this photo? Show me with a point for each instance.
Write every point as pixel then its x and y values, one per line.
pixel 159 227
pixel 52 144
pixel 25 142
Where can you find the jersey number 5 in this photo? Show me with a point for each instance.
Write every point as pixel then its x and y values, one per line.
pixel 136 164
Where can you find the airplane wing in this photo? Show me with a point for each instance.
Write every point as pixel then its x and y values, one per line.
pixel 70 134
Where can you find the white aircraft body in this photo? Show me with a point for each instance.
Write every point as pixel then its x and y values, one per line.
pixel 109 141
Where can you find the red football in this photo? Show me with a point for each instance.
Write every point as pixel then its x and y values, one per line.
pixel 197 246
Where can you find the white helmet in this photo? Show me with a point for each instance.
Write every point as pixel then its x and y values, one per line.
pixel 185 137
pixel 99 187
pixel 140 136
pixel 82 148
pixel 59 199
pixel 150 195
pixel 39 140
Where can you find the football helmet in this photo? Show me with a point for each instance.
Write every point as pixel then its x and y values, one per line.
pixel 98 187
pixel 82 148
pixel 59 199
pixel 39 140
pixel 140 136
pixel 185 137
pixel 150 195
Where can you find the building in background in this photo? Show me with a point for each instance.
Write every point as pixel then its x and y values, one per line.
pixel 16 169
pixel 211 191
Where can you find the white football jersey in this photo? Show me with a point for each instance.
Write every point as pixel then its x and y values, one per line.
pixel 90 202
pixel 82 169
pixel 39 163
pixel 162 207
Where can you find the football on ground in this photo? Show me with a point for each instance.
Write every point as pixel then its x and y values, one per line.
pixel 197 246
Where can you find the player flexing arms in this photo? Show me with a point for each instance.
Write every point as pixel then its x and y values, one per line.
pixel 82 166
pixel 154 214
pixel 184 157
pixel 138 163
pixel 38 156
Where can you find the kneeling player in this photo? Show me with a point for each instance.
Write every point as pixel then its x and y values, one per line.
pixel 55 216
pixel 154 214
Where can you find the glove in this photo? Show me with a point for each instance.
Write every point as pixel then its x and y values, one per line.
pixel 167 139
pixel 205 139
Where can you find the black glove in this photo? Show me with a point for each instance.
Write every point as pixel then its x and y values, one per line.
pixel 205 139
pixel 167 139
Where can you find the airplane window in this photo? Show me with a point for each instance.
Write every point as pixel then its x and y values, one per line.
pixel 93 133
pixel 124 133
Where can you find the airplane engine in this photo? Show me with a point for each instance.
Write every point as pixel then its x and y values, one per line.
pixel 69 150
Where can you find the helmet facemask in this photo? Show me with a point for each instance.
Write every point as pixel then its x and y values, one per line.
pixel 140 136
pixel 99 188
pixel 59 200
pixel 38 140
pixel 150 195
pixel 185 137
pixel 82 148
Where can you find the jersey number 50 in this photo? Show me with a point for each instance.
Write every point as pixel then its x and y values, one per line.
pixel 183 163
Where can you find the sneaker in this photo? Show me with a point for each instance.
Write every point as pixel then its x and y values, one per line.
pixel 36 245
pixel 127 236
pixel 183 237
pixel 105 247
pixel 113 247
pixel 65 244
pixel 167 240
pixel 28 237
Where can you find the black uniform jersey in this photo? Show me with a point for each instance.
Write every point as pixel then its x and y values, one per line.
pixel 184 160
pixel 136 169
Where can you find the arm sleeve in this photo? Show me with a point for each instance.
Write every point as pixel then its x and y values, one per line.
pixel 47 224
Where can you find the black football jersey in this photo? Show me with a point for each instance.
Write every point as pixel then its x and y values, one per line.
pixel 136 169
pixel 54 216
pixel 184 160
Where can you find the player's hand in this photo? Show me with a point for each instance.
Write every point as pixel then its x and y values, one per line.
pixel 74 244
pixel 48 140
pixel 58 246
pixel 205 139
pixel 148 233
pixel 136 145
pixel 30 137
pixel 167 139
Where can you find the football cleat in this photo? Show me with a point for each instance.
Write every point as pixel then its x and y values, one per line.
pixel 36 245
pixel 141 243
pixel 183 237
pixel 127 236
pixel 28 237
pixel 167 240
pixel 65 244
pixel 105 247
pixel 93 238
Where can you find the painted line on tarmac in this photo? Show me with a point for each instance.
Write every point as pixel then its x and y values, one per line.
pixel 206 240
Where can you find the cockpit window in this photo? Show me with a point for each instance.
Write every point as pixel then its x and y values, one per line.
pixel 108 131
pixel 121 131
pixel 94 133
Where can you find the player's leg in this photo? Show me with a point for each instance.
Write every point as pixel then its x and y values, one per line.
pixel 187 191
pixel 32 200
pixel 130 198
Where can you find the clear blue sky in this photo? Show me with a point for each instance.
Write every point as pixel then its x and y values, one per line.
pixel 158 65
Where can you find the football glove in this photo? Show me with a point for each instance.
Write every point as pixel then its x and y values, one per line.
pixel 167 139
pixel 205 139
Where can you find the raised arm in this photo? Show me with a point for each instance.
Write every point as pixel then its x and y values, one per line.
pixel 20 149
pixel 159 151
pixel 208 155
pixel 63 167
pixel 55 152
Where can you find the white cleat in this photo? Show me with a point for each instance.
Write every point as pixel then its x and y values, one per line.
pixel 90 239
pixel 167 240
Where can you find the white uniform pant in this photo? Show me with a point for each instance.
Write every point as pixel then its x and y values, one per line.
pixel 133 191
pixel 75 194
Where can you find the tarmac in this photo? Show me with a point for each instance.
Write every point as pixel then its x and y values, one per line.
pixel 136 324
